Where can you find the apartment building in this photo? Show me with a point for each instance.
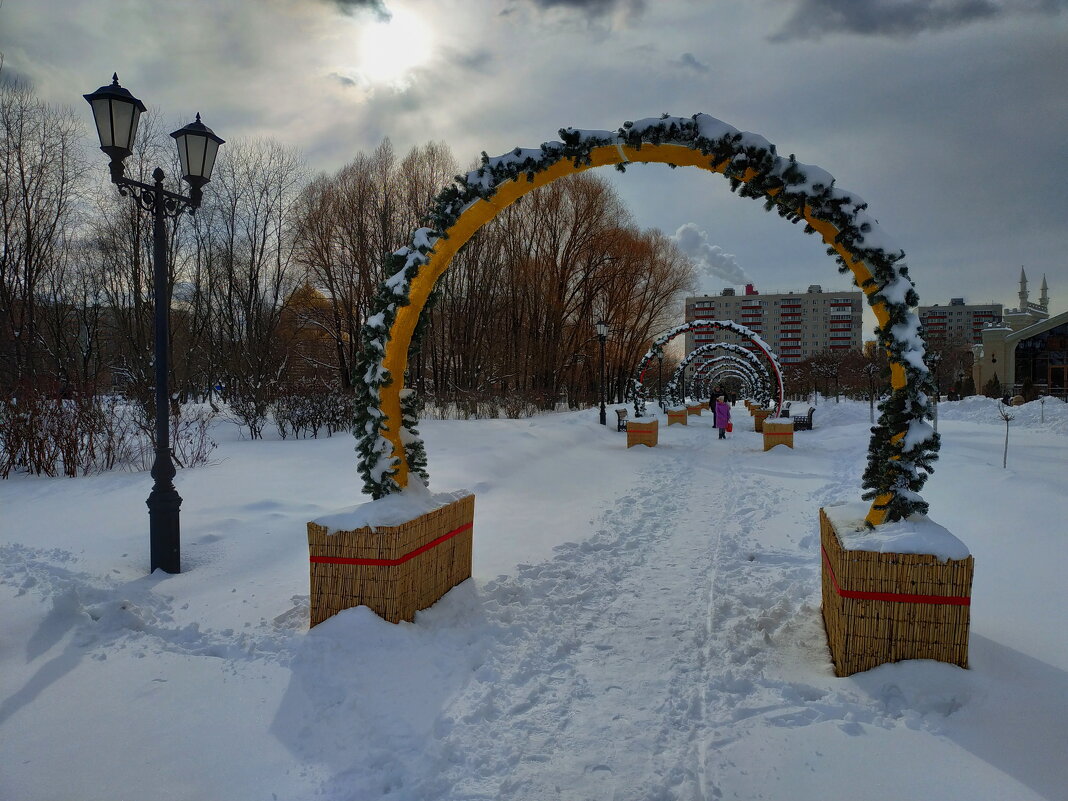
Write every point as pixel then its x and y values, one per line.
pixel 795 324
pixel 959 321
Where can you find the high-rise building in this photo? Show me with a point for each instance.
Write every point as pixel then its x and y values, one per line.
pixel 796 325
pixel 959 321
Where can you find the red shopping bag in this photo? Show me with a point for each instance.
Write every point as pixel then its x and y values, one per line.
pixel 730 426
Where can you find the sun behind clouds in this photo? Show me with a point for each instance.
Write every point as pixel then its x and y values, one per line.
pixel 388 51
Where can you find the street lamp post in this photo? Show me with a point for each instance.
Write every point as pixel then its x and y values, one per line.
pixel 933 361
pixel 116 113
pixel 602 335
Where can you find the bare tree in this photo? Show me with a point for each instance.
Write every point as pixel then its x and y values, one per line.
pixel 40 165
pixel 252 270
pixel 1004 414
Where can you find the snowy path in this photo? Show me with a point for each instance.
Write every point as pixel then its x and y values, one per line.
pixel 615 662
pixel 653 632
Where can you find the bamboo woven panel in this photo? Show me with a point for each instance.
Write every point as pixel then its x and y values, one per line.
pixel 759 415
pixel 394 592
pixel 695 408
pixel 777 434
pixel 676 417
pixel 643 433
pixel 864 633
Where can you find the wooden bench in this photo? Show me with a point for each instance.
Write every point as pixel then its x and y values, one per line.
pixel 803 422
pixel 621 419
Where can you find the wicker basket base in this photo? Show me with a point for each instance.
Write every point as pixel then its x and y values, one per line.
pixel 394 570
pixel 777 434
pixel 676 416
pixel 759 416
pixel 643 433
pixel 695 408
pixel 885 607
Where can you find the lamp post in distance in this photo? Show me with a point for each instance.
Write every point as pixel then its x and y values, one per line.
pixel 659 353
pixel 116 113
pixel 602 335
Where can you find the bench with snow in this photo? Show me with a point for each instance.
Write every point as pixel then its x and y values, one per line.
pixel 621 419
pixel 803 422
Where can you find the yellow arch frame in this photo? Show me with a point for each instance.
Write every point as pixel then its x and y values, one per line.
pixel 482 211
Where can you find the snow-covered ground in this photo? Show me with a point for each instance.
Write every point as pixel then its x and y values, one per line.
pixel 642 624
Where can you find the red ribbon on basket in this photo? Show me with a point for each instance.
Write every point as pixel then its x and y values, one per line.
pixel 893 597
pixel 345 560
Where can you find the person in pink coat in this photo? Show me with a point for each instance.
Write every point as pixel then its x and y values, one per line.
pixel 723 416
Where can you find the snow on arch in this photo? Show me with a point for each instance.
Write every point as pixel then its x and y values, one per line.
pixel 709 370
pixel 732 372
pixel 636 389
pixel 388 444
pixel 728 347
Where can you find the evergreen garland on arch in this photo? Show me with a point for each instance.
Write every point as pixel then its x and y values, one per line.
pixel 635 387
pixel 711 369
pixel 754 170
pixel 762 391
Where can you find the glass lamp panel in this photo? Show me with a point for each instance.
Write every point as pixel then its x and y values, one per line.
pixel 133 125
pixel 194 146
pixel 124 121
pixel 211 150
pixel 183 155
pixel 102 118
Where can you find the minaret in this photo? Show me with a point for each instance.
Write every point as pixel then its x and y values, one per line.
pixel 1023 290
pixel 1043 297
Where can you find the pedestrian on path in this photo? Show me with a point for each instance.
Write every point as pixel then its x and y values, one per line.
pixel 723 416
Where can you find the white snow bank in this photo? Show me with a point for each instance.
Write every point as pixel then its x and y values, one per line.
pixel 392 510
pixel 916 534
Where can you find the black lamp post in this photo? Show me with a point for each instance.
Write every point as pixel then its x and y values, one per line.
pixel 933 361
pixel 116 113
pixel 602 335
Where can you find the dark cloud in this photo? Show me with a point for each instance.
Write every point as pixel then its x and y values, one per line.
pixel 344 80
pixel 595 8
pixel 690 62
pixel 376 7
pixel 812 19
pixel 11 77
pixel 475 61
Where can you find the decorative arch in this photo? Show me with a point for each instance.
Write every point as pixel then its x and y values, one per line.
pixel 903 445
pixel 731 372
pixel 707 370
pixel 696 383
pixel 729 347
pixel 636 389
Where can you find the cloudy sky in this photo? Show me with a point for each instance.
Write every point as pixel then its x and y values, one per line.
pixel 949 117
